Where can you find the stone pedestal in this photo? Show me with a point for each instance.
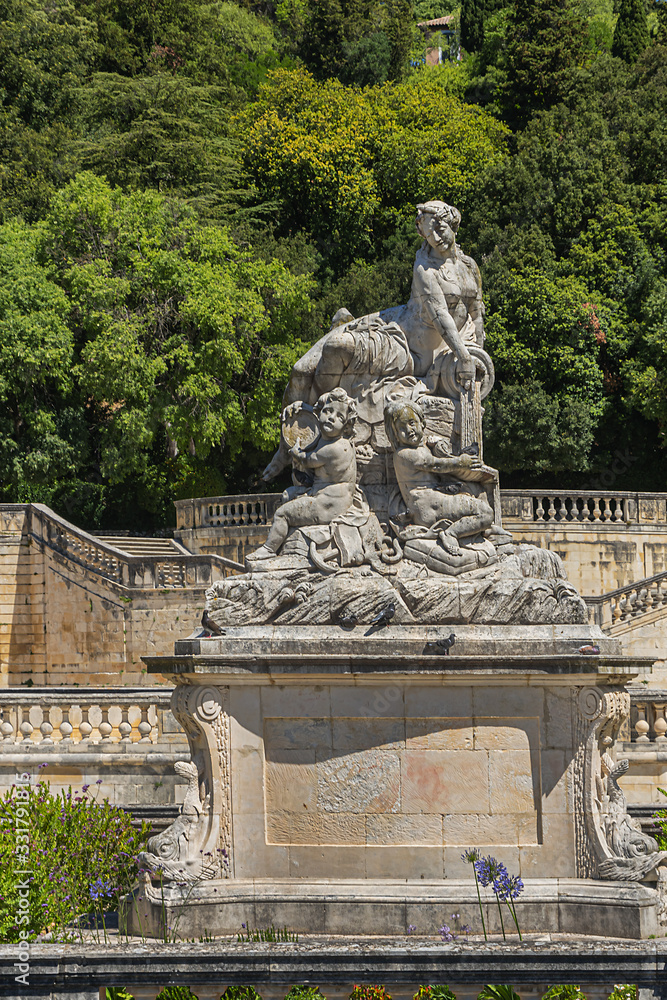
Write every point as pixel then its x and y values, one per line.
pixel 337 777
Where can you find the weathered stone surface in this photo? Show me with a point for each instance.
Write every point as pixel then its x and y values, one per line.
pixel 548 906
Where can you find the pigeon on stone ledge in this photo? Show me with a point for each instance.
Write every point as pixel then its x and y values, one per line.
pixel 383 617
pixel 589 650
pixel 211 627
pixel 348 622
pixel 446 644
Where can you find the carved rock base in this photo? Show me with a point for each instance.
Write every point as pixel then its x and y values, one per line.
pixel 293 595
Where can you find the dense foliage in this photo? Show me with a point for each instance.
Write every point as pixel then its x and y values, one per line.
pixel 189 190
pixel 80 855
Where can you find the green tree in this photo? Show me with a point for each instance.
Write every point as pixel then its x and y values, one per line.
pixel 46 52
pixel 184 339
pixel 347 166
pixel 162 132
pixel 631 34
pixel 545 42
pixel 472 25
pixel 140 350
pixel 42 435
pixel 399 30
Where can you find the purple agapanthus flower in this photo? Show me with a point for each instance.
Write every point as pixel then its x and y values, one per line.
pixel 471 856
pixel 508 886
pixel 488 870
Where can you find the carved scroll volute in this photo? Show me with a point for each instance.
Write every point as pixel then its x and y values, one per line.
pixel 602 713
pixel 202 713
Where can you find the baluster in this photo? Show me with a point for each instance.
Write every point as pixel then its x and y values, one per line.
pixel 105 726
pixel 596 509
pixel 649 600
pixel 145 727
pixel 551 512
pixel 659 722
pixel 617 611
pixel 125 726
pixel 46 728
pixel 605 509
pixel 66 727
pixel 539 513
pixel 26 726
pixel 639 605
pixel 641 725
pixel 85 727
pixel 6 727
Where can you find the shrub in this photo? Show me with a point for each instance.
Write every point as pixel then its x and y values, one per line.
pixel 369 993
pixel 304 993
pixel 176 993
pixel 434 993
pixel 81 857
pixel 240 993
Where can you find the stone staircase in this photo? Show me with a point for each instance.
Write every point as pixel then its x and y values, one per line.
pixel 638 603
pixel 147 548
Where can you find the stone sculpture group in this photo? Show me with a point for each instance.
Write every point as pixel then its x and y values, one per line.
pixel 382 424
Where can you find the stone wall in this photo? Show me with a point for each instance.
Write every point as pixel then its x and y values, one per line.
pixel 65 622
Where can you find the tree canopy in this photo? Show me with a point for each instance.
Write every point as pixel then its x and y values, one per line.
pixel 189 189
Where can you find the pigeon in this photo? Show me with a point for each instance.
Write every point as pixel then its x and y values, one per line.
pixel 211 627
pixel 589 650
pixel 446 644
pixel 383 617
pixel 348 622
pixel 443 646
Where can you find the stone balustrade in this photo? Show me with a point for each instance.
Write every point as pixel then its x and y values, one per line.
pixel 67 717
pixel 573 506
pixel 648 722
pixel 226 512
pixel 583 506
pixel 627 603
pixel 132 572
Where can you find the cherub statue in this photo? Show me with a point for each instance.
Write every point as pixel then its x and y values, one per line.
pixel 439 489
pixel 333 461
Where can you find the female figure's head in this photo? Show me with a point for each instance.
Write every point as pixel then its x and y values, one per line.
pixel 404 423
pixel 438 223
